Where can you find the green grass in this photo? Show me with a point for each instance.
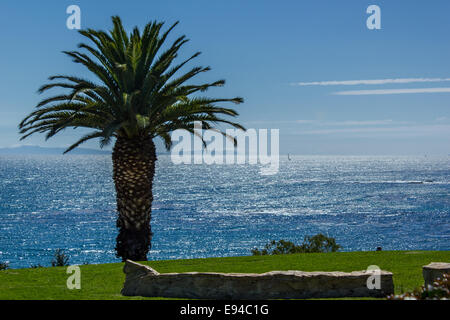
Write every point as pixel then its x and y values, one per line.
pixel 104 281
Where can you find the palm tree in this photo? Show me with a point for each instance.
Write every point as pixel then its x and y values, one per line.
pixel 136 97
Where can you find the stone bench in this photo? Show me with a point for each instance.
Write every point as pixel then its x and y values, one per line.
pixel 434 270
pixel 144 281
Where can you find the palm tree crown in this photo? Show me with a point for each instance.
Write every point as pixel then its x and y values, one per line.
pixel 139 92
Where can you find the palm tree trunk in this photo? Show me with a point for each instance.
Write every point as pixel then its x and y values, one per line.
pixel 133 171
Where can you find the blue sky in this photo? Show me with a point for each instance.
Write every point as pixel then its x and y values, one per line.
pixel 290 60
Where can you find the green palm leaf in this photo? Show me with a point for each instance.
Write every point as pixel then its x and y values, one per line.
pixel 137 89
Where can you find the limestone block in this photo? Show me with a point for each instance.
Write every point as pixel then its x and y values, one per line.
pixel 144 281
pixel 434 270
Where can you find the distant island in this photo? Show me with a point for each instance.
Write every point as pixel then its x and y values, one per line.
pixel 34 150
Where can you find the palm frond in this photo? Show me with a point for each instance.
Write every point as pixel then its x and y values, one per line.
pixel 137 90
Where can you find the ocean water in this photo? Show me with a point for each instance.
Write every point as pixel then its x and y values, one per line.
pixel 68 202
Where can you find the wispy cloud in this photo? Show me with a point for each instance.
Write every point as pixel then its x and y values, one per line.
pixel 364 123
pixel 384 128
pixel 390 91
pixel 305 121
pixel 352 123
pixel 370 82
pixel 322 123
pixel 442 119
pixel 422 130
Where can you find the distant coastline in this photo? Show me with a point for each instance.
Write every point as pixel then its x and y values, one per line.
pixel 37 150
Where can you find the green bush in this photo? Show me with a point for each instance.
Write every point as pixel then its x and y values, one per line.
pixel 311 244
pixel 4 265
pixel 60 259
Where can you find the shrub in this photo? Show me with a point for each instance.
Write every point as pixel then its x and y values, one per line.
pixel 320 243
pixel 440 290
pixel 4 265
pixel 60 259
pixel 280 247
pixel 317 243
pixel 35 266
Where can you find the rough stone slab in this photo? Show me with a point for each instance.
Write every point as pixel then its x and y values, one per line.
pixel 434 270
pixel 144 281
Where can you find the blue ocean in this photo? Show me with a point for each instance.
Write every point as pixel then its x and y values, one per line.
pixel 68 202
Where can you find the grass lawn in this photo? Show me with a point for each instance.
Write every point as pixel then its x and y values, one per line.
pixel 104 281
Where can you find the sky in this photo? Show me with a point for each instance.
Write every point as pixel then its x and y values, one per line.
pixel 312 69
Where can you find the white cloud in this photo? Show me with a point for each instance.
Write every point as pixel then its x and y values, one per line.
pixel 418 130
pixel 364 123
pixel 391 91
pixel 349 123
pixel 305 121
pixel 352 123
pixel 370 82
